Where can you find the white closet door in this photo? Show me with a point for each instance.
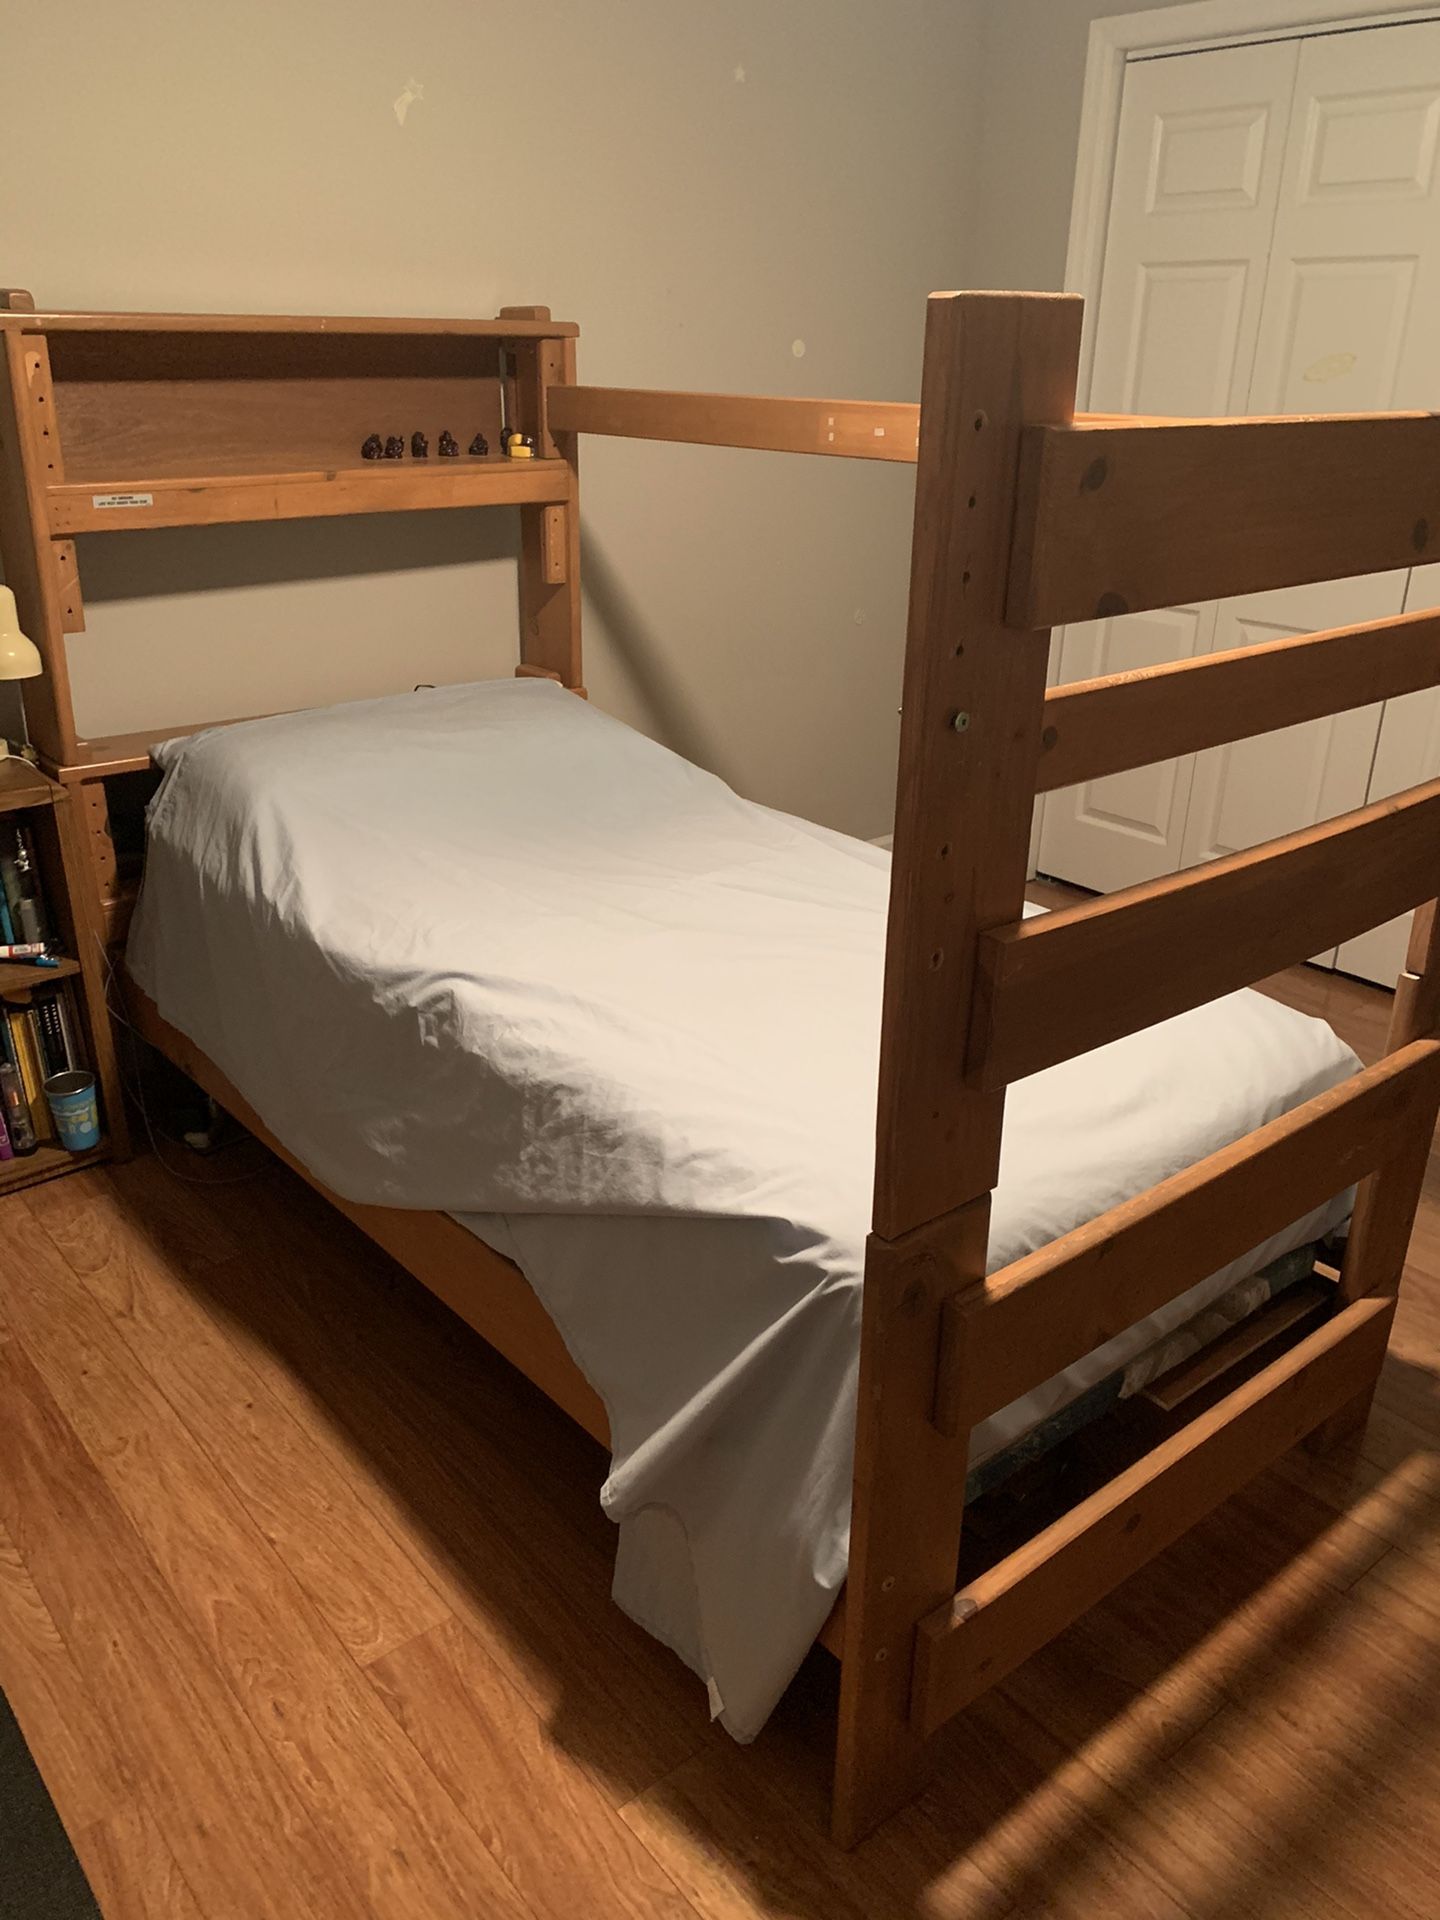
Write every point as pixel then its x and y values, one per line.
pixel 1408 752
pixel 1352 313
pixel 1353 321
pixel 1197 177
pixel 1350 323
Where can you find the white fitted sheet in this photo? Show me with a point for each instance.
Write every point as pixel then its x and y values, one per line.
pixel 486 950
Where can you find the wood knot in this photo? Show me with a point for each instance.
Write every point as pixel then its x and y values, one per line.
pixel 1049 737
pixel 1420 535
pixel 1094 476
pixel 1110 605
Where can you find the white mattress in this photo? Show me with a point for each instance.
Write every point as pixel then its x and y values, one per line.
pixel 486 950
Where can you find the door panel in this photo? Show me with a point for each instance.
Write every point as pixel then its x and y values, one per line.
pixel 1127 827
pixel 1197 176
pixel 1276 783
pixel 1351 320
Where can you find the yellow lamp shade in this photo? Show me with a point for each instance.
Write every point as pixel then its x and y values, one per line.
pixel 19 655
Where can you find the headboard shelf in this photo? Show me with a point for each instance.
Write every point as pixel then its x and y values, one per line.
pixel 119 503
pixel 506 327
pixel 115 422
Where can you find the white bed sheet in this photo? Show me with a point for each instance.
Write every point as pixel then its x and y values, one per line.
pixel 486 950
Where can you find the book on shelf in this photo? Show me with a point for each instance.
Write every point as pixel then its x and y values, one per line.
pixel 37 1040
pixel 20 886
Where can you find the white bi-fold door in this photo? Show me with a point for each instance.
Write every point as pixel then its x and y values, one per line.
pixel 1273 247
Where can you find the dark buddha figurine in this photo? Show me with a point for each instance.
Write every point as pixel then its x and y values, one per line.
pixel 372 448
pixel 449 445
pixel 419 447
pixel 394 448
pixel 480 446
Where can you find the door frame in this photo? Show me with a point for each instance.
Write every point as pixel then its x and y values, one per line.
pixel 1116 40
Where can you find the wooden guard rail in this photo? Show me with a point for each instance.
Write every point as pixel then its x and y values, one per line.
pixel 1117 518
pixel 1021 1326
pixel 1124 720
pixel 1036 1592
pixel 1053 987
pixel 855 429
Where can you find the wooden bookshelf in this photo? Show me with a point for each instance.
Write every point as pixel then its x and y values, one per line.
pixel 62 861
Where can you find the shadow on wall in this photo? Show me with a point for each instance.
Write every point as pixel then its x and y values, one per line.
pixel 636 648
pixel 151 562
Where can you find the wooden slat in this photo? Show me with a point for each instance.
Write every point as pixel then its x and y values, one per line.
pixel 1003 1617
pixel 1042 1313
pixel 990 362
pixel 1124 720
pixel 383 488
pixel 1068 981
pixel 1115 519
pixel 855 429
pixel 72 605
pixel 1299 1309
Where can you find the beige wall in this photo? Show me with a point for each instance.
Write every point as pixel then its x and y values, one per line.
pixel 1033 79
pixel 706 188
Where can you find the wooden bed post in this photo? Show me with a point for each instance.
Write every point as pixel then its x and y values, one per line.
pixel 549 535
pixel 970 742
pixel 1384 1215
pixel 29 460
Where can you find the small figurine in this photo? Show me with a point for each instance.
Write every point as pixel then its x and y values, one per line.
pixel 372 448
pixel 449 445
pixel 480 446
pixel 419 447
pixel 519 446
pixel 394 448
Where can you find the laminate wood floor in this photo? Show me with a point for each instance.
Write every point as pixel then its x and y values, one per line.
pixel 303 1610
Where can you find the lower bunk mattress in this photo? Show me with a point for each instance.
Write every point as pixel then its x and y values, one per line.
pixel 484 950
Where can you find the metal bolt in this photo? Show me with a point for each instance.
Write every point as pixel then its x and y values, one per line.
pixel 887 1585
pixel 960 722
pixel 883 1654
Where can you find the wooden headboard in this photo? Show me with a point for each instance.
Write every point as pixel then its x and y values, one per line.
pixel 111 422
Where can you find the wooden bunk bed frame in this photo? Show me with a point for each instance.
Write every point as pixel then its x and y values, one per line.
pixel 1026 516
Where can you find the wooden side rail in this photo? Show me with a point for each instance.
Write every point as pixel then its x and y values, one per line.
pixel 1036 1592
pixel 1021 1326
pixel 1124 720
pixel 1117 518
pixel 1053 987
pixel 854 429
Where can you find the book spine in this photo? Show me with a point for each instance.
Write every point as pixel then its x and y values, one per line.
pixel 65 1008
pixel 7 925
pixel 30 913
pixel 27 1048
pixel 17 1110
pixel 7 1152
pixel 51 1034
